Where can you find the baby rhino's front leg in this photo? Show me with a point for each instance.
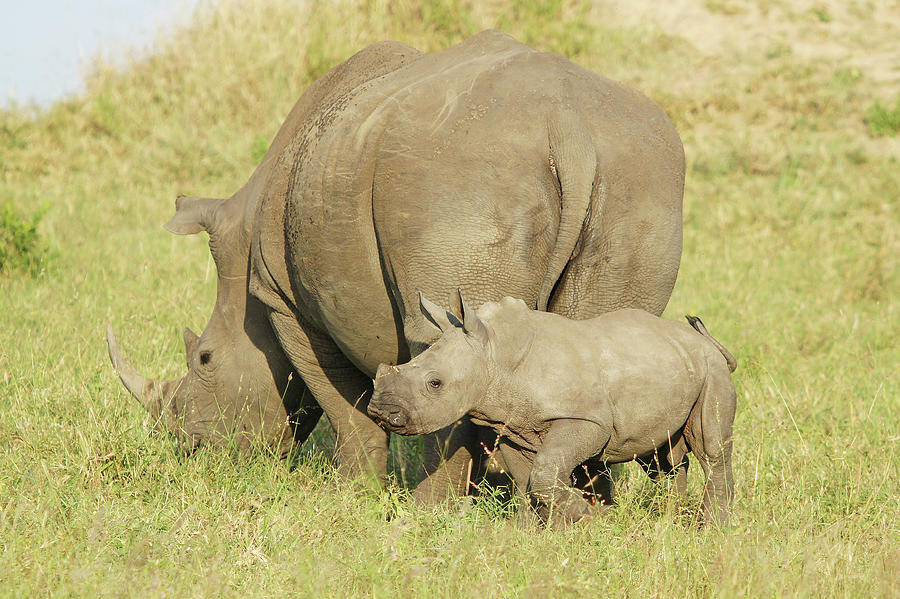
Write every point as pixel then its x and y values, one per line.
pixel 565 445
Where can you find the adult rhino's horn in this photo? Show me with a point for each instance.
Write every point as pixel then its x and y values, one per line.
pixel 192 215
pixel 147 391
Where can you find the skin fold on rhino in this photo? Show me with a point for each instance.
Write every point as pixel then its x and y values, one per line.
pixel 487 166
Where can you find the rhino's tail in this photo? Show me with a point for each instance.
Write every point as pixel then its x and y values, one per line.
pixel 698 325
pixel 573 157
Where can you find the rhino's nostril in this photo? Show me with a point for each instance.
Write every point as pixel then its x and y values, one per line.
pixel 389 414
pixel 397 418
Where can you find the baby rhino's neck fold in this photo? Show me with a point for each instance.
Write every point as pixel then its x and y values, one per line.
pixel 509 409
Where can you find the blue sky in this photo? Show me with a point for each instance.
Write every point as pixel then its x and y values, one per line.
pixel 45 45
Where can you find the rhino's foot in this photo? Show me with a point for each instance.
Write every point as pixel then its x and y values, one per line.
pixel 566 444
pixel 561 507
pixel 363 458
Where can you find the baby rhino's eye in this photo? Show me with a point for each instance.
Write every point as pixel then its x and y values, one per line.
pixel 435 383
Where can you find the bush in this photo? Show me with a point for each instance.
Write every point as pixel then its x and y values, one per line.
pixel 21 247
pixel 883 120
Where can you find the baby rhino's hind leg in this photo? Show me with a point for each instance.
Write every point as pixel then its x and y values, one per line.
pixel 709 436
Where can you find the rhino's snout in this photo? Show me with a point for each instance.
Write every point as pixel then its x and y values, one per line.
pixel 387 406
pixel 392 415
pixel 397 418
pixel 394 418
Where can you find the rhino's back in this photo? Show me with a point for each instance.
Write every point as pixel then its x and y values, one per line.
pixel 615 350
pixel 655 371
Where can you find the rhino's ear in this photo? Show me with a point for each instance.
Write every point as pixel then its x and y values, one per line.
pixel 472 324
pixel 191 340
pixel 192 215
pixel 436 315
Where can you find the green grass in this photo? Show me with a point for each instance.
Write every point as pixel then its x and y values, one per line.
pixel 792 232
pixel 884 120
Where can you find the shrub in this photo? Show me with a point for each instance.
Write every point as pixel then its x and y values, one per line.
pixel 884 120
pixel 21 247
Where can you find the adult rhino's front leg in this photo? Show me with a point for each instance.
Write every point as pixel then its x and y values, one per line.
pixel 341 390
pixel 452 462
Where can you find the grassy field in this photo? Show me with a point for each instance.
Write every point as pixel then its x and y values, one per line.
pixel 792 238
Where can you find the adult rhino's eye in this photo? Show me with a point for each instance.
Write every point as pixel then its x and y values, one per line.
pixel 205 357
pixel 435 383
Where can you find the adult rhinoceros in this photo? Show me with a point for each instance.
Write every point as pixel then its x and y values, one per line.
pixel 488 166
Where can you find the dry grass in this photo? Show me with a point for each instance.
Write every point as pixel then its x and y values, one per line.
pixel 791 245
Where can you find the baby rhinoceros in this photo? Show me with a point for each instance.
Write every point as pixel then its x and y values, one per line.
pixel 624 386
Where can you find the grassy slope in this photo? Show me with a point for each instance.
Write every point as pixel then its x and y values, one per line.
pixel 791 245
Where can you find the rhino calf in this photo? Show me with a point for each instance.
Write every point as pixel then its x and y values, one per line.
pixel 624 386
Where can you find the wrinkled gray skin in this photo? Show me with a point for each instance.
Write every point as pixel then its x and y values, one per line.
pixel 623 386
pixel 488 166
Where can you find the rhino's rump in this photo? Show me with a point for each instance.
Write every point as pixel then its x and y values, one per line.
pixel 464 194
pixel 438 175
pixel 655 375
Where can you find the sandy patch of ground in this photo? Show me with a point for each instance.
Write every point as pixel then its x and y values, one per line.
pixel 864 35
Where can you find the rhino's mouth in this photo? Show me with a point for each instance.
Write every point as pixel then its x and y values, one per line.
pixel 390 416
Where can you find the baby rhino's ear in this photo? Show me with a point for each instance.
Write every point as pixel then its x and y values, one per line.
pixel 472 325
pixel 436 315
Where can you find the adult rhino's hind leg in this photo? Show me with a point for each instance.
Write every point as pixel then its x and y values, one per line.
pixel 342 391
